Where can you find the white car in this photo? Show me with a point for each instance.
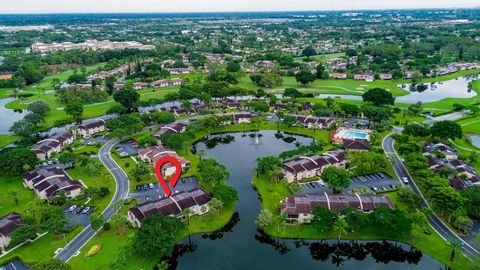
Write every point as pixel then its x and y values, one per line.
pixel 86 210
pixel 405 180
pixel 71 208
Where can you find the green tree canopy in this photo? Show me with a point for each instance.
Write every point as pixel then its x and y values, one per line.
pixel 446 130
pixel 17 160
pixel 378 97
pixel 128 98
pixel 336 178
pixel 157 236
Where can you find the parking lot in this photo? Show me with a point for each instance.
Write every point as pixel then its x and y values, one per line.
pixel 77 217
pixel 153 192
pixel 127 149
pixel 14 265
pixel 92 141
pixel 379 182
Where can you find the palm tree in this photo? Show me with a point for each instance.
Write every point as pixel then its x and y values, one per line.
pixel 341 226
pixel 186 213
pixel 456 247
pixel 276 173
pixel 216 205
pixel 200 154
pixel 283 220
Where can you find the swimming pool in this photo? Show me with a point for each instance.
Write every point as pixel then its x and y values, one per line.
pixel 348 134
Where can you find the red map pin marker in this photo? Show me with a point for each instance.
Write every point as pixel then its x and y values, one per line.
pixel 173 179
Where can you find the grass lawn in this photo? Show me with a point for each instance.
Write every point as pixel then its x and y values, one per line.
pixel 347 87
pixel 320 58
pixel 41 249
pixel 470 124
pixel 24 195
pixel 6 139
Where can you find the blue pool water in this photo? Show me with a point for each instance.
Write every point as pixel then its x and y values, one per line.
pixel 354 135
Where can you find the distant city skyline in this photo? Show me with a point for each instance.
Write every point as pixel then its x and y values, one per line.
pixel 123 6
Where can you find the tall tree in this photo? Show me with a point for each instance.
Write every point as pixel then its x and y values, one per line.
pixel 157 236
pixel 446 130
pixel 305 77
pixel 378 97
pixel 128 98
pixel 336 178
pixel 74 109
pixel 341 226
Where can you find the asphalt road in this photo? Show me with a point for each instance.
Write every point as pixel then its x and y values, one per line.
pixel 121 192
pixel 435 222
pixel 449 116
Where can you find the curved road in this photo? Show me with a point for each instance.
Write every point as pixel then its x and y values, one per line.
pixel 121 192
pixel 435 222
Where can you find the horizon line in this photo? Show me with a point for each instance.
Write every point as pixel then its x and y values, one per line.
pixel 239 11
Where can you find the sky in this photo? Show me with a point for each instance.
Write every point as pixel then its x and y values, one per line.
pixel 87 6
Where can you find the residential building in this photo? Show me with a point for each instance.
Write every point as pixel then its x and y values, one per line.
pixel 356 145
pixel 440 149
pixel 298 208
pixel 140 85
pixel 178 110
pixel 92 45
pixel 386 76
pixel 314 122
pixel 46 148
pixel 196 200
pixel 173 128
pixel 311 166
pixel 152 154
pixel 48 183
pixel 338 76
pixel 364 77
pixel 242 117
pixel 88 129
pixel 8 224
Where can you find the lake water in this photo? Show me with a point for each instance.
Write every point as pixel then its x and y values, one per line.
pixel 475 140
pixel 456 88
pixel 7 116
pixel 240 246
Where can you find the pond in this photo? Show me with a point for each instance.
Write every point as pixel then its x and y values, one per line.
pixel 8 116
pixel 240 246
pixel 431 92
pixel 475 140
pixel 456 88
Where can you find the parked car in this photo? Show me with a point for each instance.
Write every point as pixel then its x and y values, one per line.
pixel 80 209
pixel 147 198
pixel 151 186
pixel 86 210
pixel 405 180
pixel 71 208
pixel 145 187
